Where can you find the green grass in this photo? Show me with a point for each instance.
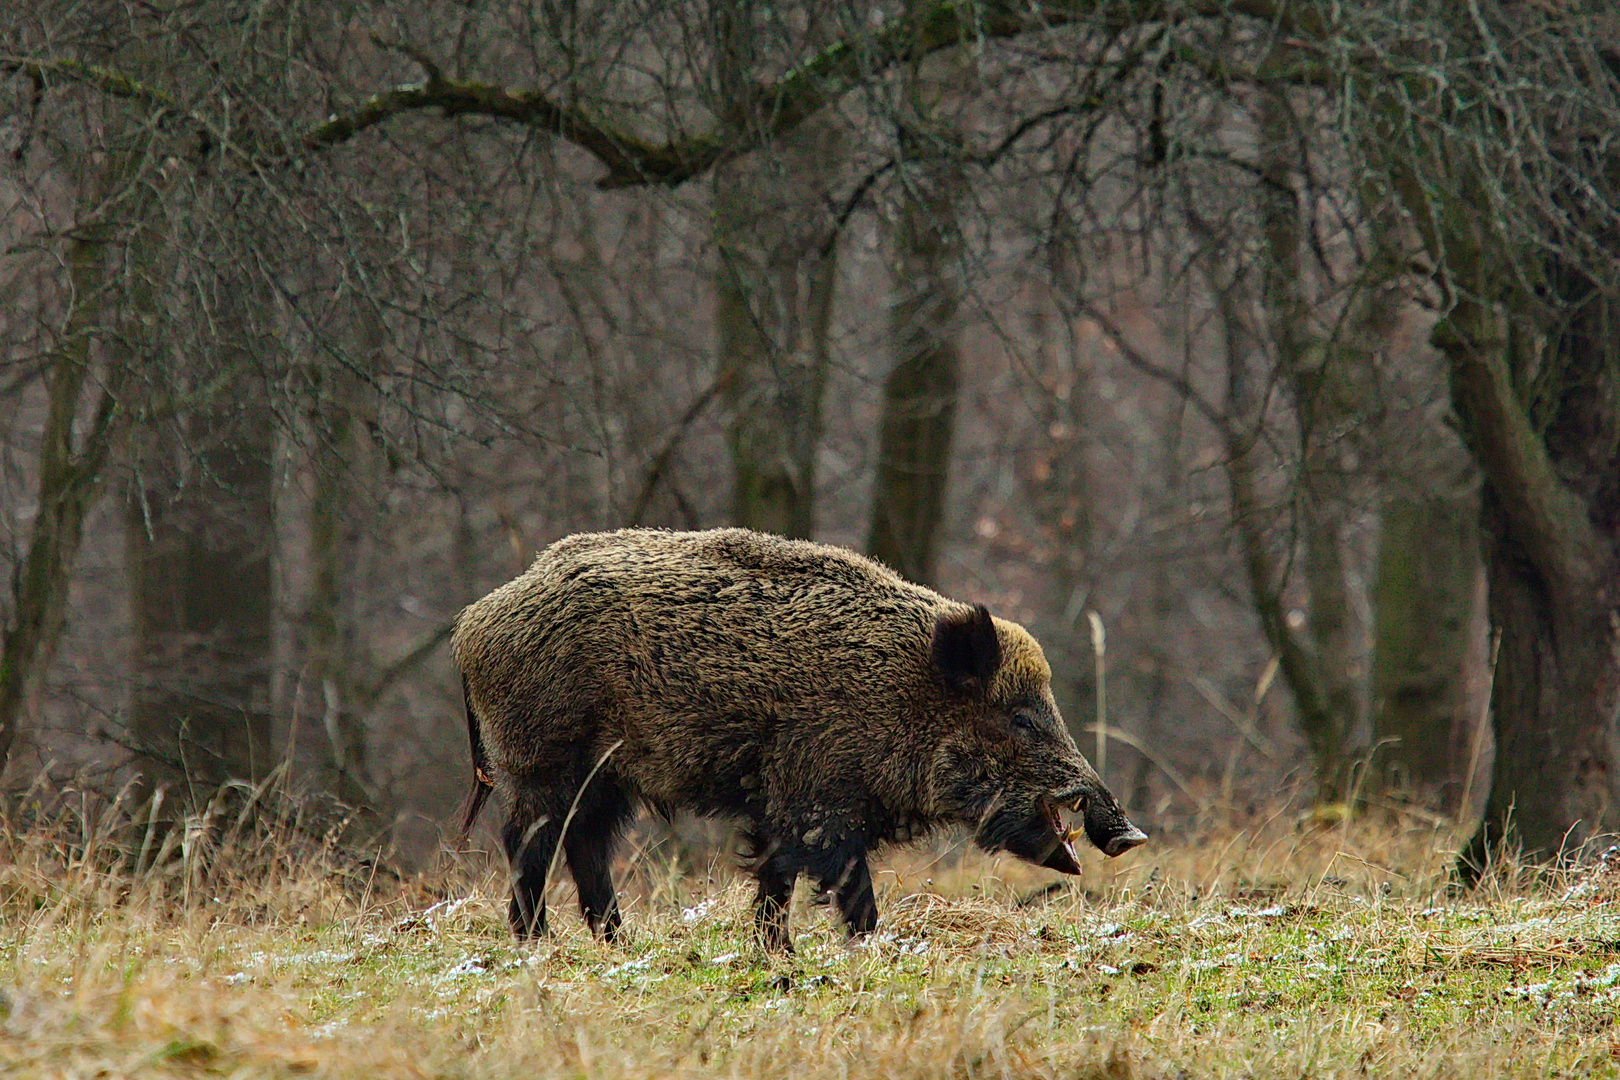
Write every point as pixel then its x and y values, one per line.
pixel 1275 950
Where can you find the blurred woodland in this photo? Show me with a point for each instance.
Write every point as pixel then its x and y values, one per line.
pixel 1272 343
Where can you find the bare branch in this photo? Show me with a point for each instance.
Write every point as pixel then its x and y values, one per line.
pixel 109 81
pixel 779 106
pixel 666 453
pixel 394 672
pixel 1217 417
pixel 629 160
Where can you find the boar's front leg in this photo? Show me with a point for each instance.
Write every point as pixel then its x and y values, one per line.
pixel 848 881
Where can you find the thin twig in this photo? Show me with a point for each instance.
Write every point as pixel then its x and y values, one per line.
pixel 1158 762
pixel 666 453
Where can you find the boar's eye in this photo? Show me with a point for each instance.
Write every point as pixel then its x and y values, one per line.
pixel 1023 721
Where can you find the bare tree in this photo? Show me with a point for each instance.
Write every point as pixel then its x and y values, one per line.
pixel 1514 198
pixel 344 466
pixel 919 394
pixel 71 473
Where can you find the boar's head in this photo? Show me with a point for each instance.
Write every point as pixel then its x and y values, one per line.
pixel 1006 765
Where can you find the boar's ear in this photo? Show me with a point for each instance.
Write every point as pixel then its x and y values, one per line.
pixel 966 649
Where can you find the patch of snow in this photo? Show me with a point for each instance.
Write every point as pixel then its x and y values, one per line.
pixel 1541 922
pixel 1607 977
pixel 1546 993
pixel 470 965
pixel 527 961
pixel 434 916
pixel 1532 990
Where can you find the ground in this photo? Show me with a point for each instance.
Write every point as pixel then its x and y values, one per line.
pixel 1283 947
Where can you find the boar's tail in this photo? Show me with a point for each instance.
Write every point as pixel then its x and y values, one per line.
pixel 481 786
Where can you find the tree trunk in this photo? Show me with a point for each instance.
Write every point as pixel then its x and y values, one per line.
pixel 105 250
pixel 1332 383
pixel 1266 560
pixel 70 481
pixel 1552 535
pixel 201 535
pixel 919 394
pixel 1429 649
pixel 771 313
pixel 1295 658
pixel 773 299
pixel 918 420
pixel 1555 701
pixel 329 736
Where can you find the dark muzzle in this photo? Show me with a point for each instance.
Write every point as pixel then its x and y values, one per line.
pixel 1110 830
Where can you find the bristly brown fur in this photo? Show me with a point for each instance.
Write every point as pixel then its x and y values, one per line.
pixel 807 691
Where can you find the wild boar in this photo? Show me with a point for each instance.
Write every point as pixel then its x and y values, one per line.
pixel 811 694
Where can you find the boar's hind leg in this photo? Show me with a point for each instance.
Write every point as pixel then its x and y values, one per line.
pixel 588 845
pixel 776 876
pixel 849 882
pixel 530 839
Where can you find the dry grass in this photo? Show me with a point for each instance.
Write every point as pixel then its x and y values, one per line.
pixel 1270 950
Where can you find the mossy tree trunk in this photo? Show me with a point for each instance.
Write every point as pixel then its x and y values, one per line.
pixel 1512 197
pixel 919 393
pixel 1552 539
pixel 770 324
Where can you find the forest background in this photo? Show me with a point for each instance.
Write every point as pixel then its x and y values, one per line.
pixel 1271 343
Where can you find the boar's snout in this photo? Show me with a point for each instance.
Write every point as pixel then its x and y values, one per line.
pixel 1108 829
pixel 1124 841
